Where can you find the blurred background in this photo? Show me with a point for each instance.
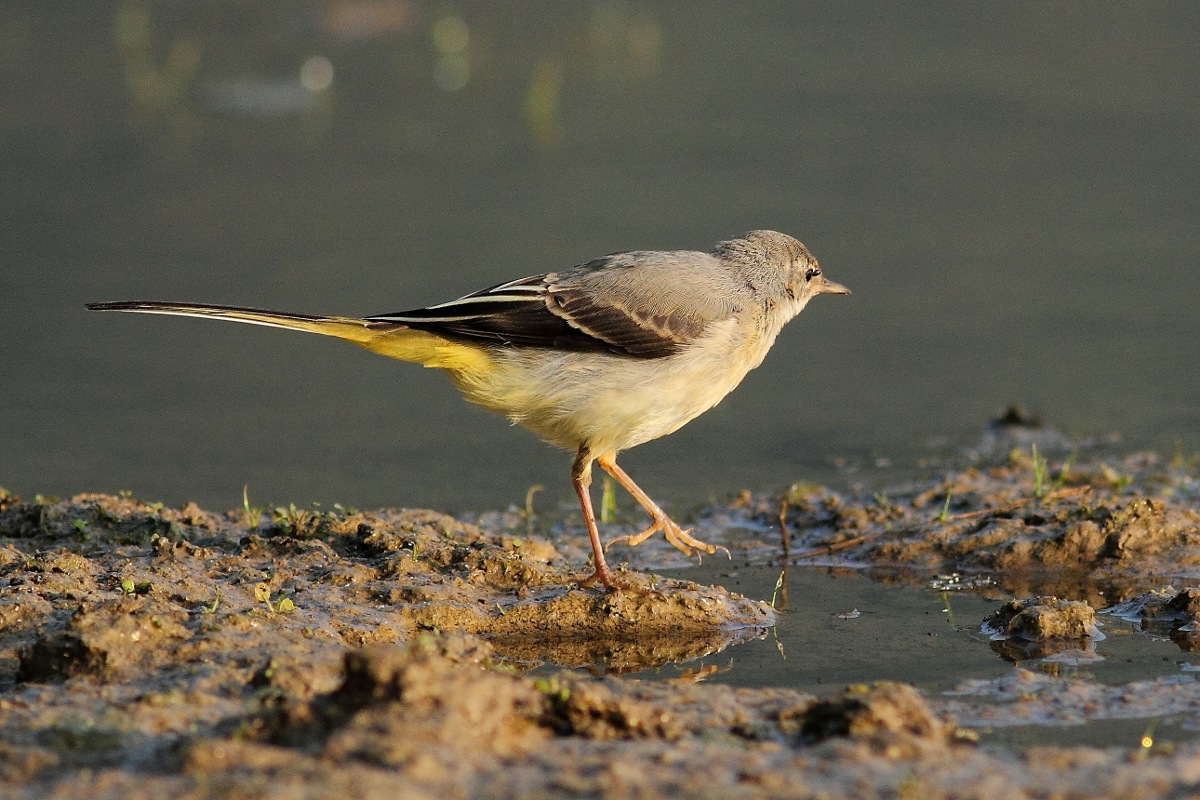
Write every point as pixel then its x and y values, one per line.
pixel 1012 192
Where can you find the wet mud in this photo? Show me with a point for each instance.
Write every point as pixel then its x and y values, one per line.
pixel 148 651
pixel 1032 527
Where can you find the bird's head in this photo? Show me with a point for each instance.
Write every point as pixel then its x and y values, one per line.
pixel 778 264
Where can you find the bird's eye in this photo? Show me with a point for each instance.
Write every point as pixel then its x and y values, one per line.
pixel 812 273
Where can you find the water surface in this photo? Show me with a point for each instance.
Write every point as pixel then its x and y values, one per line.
pixel 1011 193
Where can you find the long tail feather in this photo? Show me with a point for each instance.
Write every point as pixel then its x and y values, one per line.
pixel 356 330
pixel 390 339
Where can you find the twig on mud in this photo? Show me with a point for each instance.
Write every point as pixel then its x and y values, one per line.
pixel 832 548
pixel 784 534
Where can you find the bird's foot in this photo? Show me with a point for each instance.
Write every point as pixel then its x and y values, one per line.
pixel 611 582
pixel 605 577
pixel 681 539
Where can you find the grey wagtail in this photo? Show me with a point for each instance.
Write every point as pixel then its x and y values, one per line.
pixel 596 358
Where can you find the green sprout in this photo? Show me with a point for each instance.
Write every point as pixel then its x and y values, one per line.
pixel 282 605
pixel 946 505
pixel 608 500
pixel 555 690
pixel 1039 474
pixel 778 587
pixel 212 609
pixel 129 587
pixel 949 610
pixel 1064 472
pixel 253 515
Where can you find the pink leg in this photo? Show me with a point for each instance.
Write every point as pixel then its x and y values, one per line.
pixel 581 478
pixel 681 539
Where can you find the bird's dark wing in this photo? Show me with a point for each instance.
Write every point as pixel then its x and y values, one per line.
pixel 516 313
pixel 645 305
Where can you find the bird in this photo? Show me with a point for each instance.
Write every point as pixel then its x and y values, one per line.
pixel 595 358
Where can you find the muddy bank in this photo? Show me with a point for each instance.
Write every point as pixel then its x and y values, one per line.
pixel 86 574
pixel 1031 525
pixel 440 717
pixel 148 651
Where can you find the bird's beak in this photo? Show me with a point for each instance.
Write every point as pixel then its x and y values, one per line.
pixel 829 287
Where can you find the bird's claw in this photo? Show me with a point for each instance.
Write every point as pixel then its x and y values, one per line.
pixel 681 539
pixel 604 577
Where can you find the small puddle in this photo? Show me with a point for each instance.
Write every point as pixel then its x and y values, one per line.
pixel 841 627
pixel 844 628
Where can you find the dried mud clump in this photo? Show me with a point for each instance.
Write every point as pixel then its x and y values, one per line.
pixel 1043 627
pixel 891 716
pixel 1164 612
pixel 438 699
pixel 1038 619
pixel 105 639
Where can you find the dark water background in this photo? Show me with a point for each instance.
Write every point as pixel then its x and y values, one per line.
pixel 1012 192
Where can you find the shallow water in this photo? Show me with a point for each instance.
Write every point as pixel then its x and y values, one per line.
pixel 1010 194
pixel 931 640
pixel 900 633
